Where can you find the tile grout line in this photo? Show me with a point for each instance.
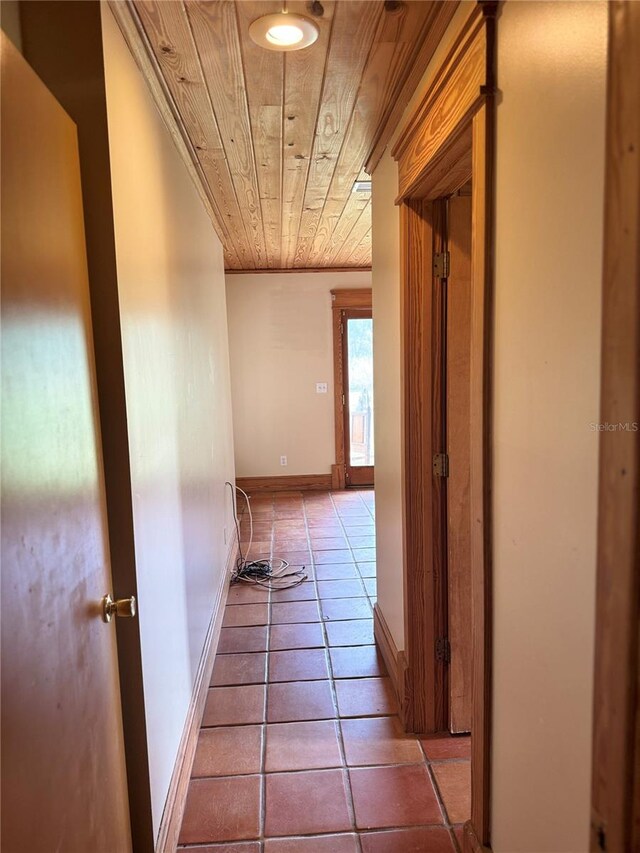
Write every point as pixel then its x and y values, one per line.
pixel 353 556
pixel 299 770
pixel 427 762
pixel 379 830
pixel 446 822
pixel 439 797
pixel 263 759
pixel 337 723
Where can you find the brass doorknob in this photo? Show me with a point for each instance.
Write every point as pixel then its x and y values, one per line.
pixel 121 607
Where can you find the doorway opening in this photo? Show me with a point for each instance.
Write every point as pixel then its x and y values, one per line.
pixel 357 395
pixel 456 387
pixel 353 383
pixel 445 176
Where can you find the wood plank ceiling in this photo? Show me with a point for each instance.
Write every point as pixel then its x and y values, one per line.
pixel 280 138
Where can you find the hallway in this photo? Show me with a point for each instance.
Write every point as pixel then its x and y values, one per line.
pixel 300 747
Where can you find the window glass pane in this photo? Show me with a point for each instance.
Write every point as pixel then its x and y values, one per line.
pixel 360 354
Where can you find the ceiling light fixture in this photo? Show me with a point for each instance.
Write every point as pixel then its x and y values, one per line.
pixel 283 31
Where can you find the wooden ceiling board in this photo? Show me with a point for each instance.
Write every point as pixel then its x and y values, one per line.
pixel 351 229
pixel 264 81
pixel 355 216
pixel 354 28
pixel 303 85
pixel 361 253
pixel 215 31
pixel 280 138
pixel 391 45
pixel 170 39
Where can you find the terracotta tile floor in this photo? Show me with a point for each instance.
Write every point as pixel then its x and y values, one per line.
pixel 301 749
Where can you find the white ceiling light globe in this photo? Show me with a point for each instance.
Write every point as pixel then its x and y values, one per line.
pixel 285 34
pixel 283 31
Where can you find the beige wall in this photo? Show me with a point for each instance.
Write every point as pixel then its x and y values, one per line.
pixel 281 344
pixel 173 316
pixel 550 164
pixel 549 223
pixel 387 393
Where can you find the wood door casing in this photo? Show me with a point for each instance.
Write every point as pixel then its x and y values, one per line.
pixel 615 783
pixel 459 451
pixel 355 475
pixel 63 771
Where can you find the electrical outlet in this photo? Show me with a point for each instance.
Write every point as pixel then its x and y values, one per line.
pixel 321 387
pixel 283 460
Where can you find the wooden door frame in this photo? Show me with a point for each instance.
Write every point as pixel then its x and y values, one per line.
pixel 342 299
pixel 615 798
pixel 449 137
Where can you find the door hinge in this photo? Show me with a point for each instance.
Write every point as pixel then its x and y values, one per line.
pixel 601 837
pixel 441 264
pixel 443 650
pixel 343 400
pixel 441 465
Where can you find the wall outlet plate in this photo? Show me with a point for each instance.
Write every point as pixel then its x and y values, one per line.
pixel 321 387
pixel 283 460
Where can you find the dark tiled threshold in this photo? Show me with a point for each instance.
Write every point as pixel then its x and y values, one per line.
pixel 301 749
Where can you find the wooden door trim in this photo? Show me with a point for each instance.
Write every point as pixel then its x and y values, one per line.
pixel 615 797
pixel 458 89
pixel 342 299
pixel 451 130
pixel 356 297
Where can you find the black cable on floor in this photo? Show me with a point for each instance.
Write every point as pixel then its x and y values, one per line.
pixel 263 573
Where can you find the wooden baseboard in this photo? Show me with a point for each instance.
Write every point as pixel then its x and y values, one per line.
pixel 471 842
pixel 337 477
pixel 174 808
pixel 395 660
pixel 292 483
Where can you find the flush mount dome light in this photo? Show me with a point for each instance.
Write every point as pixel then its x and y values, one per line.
pixel 283 31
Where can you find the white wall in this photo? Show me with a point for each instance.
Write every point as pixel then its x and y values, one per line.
pixel 549 225
pixel 549 222
pixel 174 332
pixel 281 344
